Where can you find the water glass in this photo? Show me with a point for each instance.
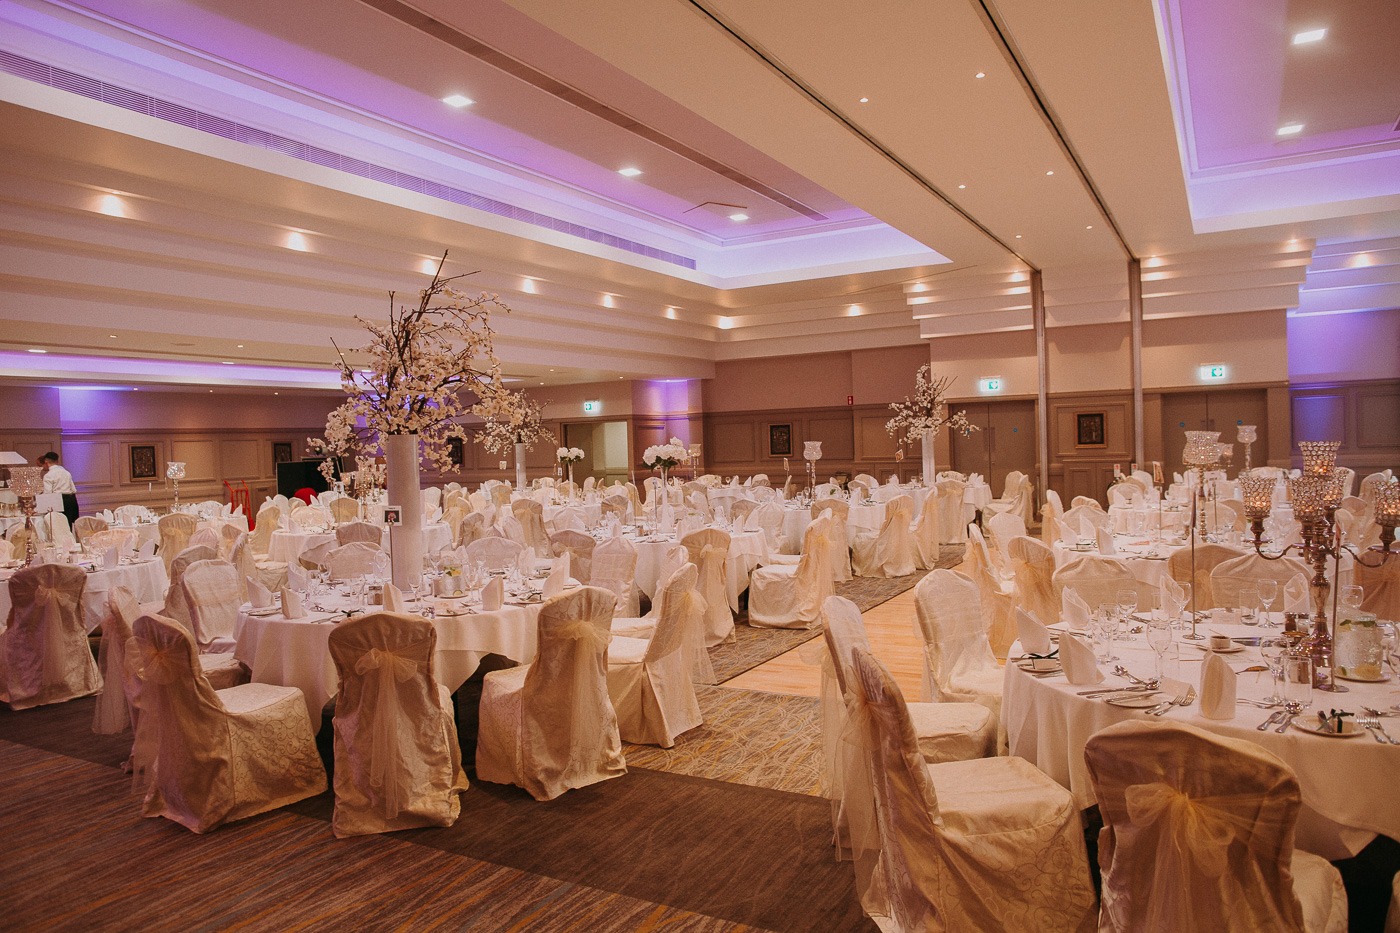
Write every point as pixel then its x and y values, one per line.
pixel 1273 650
pixel 1298 679
pixel 1249 604
pixel 1159 639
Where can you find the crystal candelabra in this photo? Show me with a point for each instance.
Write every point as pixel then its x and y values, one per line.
pixel 695 451
pixel 1247 435
pixel 1202 450
pixel 175 471
pixel 812 452
pixel 1316 495
pixel 27 483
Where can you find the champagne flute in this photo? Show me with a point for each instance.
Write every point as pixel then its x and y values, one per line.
pixel 1159 639
pixel 1127 604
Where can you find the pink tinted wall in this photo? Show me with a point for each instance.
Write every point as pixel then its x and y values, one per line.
pixel 1252 346
pixel 566 402
pixel 82 409
pixel 818 380
pixel 1344 347
pixel 1008 356
pixel 28 408
pixel 885 374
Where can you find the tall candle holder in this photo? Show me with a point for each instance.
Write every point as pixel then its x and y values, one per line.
pixel 175 471
pixel 1316 495
pixel 27 483
pixel 812 452
pixel 1247 434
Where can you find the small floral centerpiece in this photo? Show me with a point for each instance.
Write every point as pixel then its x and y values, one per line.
pixel 665 457
pixel 921 417
pixel 569 455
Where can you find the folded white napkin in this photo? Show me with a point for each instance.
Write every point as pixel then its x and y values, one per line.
pixel 393 598
pixel 286 521
pixel 562 564
pixel 493 595
pixel 1173 597
pixel 1069 537
pixel 1075 609
pixel 1296 595
pixel 554 583
pixel 1035 637
pixel 296 577
pixel 111 558
pixel 106 516
pixel 1088 531
pixel 259 596
pixel 1218 681
pixel 1105 539
pixel 147 550
pixel 1077 658
pixel 292 607
pixel 525 563
pixel 616 530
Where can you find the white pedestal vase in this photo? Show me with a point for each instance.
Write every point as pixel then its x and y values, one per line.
pixel 926 442
pixel 520 467
pixel 406 539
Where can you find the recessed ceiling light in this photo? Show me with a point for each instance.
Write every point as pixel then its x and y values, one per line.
pixel 629 171
pixel 240 346
pixel 113 336
pixel 1018 236
pixel 1309 35
pixel 725 323
pixel 428 266
pixel 226 362
pixel 276 393
pixel 1290 129
pixel 211 391
pixel 551 370
pixel 1089 227
pixel 609 301
pixel 541 383
pixel 981 74
pixel 853 311
pixel 865 100
pixel 37 350
pixel 1051 172
pixel 739 217
pixel 112 206
pixel 458 100
pixel 297 242
pixel 961 187
pixel 671 313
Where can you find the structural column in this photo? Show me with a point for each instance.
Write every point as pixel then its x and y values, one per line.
pixel 1135 316
pixel 1042 407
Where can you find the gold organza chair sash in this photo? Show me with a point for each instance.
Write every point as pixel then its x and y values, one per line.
pixel 1198 831
pixel 386 669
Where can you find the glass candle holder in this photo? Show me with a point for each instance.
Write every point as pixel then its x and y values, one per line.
pixel 1319 457
pixel 1258 492
pixel 1308 494
pixel 1247 433
pixel 27 482
pixel 1388 504
pixel 1202 448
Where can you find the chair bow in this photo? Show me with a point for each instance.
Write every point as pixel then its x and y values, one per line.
pixel 1199 829
pixel 386 667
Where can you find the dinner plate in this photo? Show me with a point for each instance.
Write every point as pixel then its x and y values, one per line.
pixel 1137 701
pixel 1363 680
pixel 268 611
pixel 1029 667
pixel 1350 730
pixel 1235 650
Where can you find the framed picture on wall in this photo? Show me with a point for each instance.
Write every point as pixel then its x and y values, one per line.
pixel 281 452
pixel 455 451
pixel 780 440
pixel 143 461
pixel 1089 431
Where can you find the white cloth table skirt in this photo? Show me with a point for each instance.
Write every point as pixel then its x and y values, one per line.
pixel 287 546
pixel 296 653
pixel 147 581
pixel 746 550
pixel 592 512
pixel 1148 563
pixel 1123 518
pixel 1347 784
pixel 865 517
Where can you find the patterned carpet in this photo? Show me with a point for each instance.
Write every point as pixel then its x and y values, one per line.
pixel 753 646
pixel 762 739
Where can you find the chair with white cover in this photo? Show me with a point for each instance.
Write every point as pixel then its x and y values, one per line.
pixel 840 544
pixel 740 509
pixel 175 606
pixel 709 552
pixel 431 497
pixel 672 560
pixel 952 526
pixel 473 526
pixel 926 533
pixel 1017 498
pixel 212 597
pixel 983 844
pixel 791 595
pixel 1124 494
pixel 1077 516
pixel 1230 576
pixel 614 567
pixel 1198 835
pixel 175 532
pixel 269 517
pixel 397 762
pixel 997 594
pixel 1089 501
pixel 356 559
pixel 579 547
pixel 767 518
pixel 959 665
pixel 307 518
pixel 868 481
pixel 1096 579
pixel 318 557
pixel 1052 511
pixel 343 510
pixel 1207 557
pixel 214 756
pixel 1380 588
pixel 495 553
pixel 1002 527
pixel 548 726
pixel 87 525
pixel 649 679
pixel 889 552
pixel 44 654
pixel 359 531
pixel 500 496
pixel 530 514
pixel 1033 566
pixel 206 537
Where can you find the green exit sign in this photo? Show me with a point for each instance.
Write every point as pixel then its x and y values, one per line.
pixel 592 407
pixel 993 384
pixel 1214 372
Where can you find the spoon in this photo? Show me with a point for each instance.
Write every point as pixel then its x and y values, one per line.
pixel 1122 671
pixel 1291 709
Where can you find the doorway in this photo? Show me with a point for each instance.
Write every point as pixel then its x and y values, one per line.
pixel 1219 410
pixel 1005 442
pixel 605 450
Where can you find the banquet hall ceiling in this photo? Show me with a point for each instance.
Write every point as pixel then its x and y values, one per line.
pixel 227 183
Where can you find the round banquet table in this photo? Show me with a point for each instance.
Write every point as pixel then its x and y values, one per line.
pixel 146 579
pixel 287 546
pixel 867 516
pixel 1348 797
pixel 1147 561
pixel 746 550
pixel 296 652
pixel 590 512
pixel 1136 519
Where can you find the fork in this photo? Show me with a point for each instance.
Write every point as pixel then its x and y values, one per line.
pixel 1373 723
pixel 1182 701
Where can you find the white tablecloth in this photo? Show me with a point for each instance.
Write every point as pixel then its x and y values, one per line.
pixel 296 653
pixel 146 580
pixel 287 546
pixel 1147 561
pixel 746 550
pixel 1122 518
pixel 1347 783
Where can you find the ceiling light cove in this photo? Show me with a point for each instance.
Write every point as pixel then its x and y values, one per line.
pixel 1309 36
pixel 1290 129
pixel 297 242
pixel 629 172
pixel 458 100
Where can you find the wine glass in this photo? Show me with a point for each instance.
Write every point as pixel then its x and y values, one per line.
pixel 1352 596
pixel 1273 650
pixel 1159 639
pixel 1105 624
pixel 1268 592
pixel 1183 614
pixel 1127 604
pixel 1249 603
